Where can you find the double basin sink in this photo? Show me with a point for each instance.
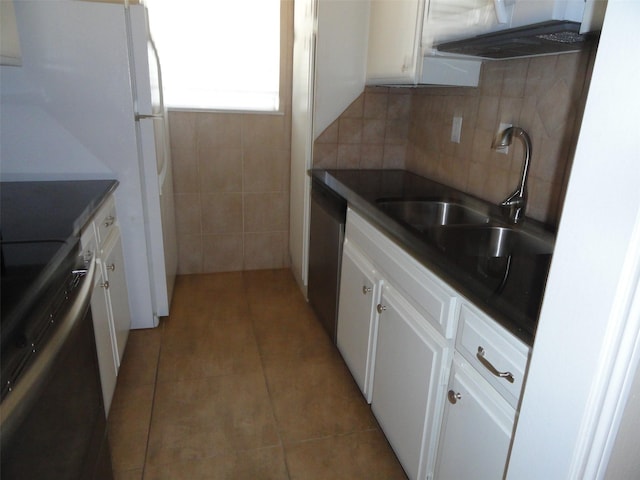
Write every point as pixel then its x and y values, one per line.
pixel 457 229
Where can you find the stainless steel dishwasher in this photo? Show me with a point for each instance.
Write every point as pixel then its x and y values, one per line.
pixel 328 216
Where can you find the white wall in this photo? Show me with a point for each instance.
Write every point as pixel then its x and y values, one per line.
pixel 568 398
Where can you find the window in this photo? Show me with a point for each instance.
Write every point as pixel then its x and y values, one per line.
pixel 218 54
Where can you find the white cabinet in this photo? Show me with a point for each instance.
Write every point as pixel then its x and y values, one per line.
pixel 395 331
pixel 357 316
pixel 394 41
pixel 113 267
pixel 110 300
pixel 401 38
pixel 407 384
pixel 477 428
pixel 398 325
pixel 483 395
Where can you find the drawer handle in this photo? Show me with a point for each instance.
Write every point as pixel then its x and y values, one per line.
pixel 508 376
pixel 109 220
pixel 365 290
pixel 105 285
pixel 380 308
pixel 111 267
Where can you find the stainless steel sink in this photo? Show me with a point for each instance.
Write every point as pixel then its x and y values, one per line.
pixel 423 214
pixel 489 241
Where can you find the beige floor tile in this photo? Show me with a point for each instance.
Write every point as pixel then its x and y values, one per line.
pixel 316 398
pixel 212 416
pixel 129 420
pixel 260 464
pixel 128 475
pixel 362 455
pixel 239 367
pixel 288 330
pixel 218 348
pixel 128 446
pixel 140 361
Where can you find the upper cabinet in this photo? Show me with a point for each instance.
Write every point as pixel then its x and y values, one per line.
pixel 406 37
pixel 9 39
pixel 402 33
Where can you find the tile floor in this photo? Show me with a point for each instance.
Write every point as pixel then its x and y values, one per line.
pixel 241 382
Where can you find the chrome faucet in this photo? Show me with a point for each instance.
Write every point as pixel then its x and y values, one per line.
pixel 516 203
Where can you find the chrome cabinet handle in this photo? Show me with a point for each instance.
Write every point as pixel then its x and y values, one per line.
pixel 508 376
pixel 105 285
pixel 453 397
pixel 109 221
pixel 365 290
pixel 380 308
pixel 111 267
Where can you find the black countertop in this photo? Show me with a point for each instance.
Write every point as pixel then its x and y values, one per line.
pixel 510 290
pixel 40 225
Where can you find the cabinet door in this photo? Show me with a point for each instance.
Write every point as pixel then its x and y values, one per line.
pixel 408 390
pixel 477 428
pixel 357 317
pixel 394 41
pixel 113 262
pixel 105 348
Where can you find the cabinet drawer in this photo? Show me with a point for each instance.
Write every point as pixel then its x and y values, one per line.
pixel 492 351
pixel 105 220
pixel 426 292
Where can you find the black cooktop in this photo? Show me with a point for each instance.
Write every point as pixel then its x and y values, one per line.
pixel 40 223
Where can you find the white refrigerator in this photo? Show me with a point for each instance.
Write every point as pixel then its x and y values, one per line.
pixel 86 103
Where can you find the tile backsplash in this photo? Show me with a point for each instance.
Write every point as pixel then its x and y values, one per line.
pixel 411 128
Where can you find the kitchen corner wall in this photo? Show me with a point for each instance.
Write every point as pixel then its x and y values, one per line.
pixel 411 128
pixel 231 182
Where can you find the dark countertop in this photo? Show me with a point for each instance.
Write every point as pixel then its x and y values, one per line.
pixel 40 227
pixel 512 299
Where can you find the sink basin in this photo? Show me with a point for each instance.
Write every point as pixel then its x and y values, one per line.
pixel 489 241
pixel 423 214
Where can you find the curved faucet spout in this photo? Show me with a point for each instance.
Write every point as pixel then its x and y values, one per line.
pixel 516 202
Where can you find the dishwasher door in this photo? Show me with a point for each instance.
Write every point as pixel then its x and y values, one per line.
pixel 328 216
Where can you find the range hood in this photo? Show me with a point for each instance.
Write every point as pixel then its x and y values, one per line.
pixel 554 36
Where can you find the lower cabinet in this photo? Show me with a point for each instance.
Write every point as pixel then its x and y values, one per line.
pixel 477 427
pixel 407 385
pixel 110 299
pixel 113 266
pixel 104 346
pixel 357 316
pixel 443 379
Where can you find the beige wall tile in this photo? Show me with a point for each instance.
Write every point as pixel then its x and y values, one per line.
pixel 189 254
pixel 188 213
pixel 325 155
pixel 266 250
pixel 330 134
pixel 222 253
pixel 350 130
pixel 265 131
pixel 375 105
pixel 221 213
pixel 220 170
pixel 218 130
pixel 266 212
pixel 265 170
pixel 349 155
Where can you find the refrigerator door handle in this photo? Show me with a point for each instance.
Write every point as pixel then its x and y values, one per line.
pixel 142 117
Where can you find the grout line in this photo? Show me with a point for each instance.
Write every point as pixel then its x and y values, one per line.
pixel 153 402
pixel 250 310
